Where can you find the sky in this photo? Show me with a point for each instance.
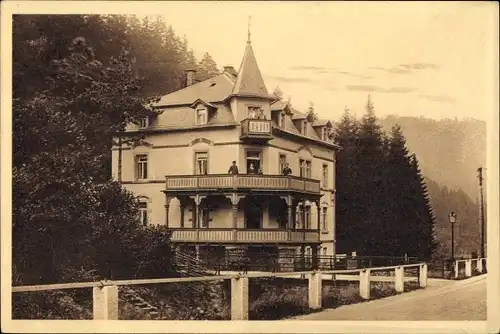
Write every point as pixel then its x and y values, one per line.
pixel 431 59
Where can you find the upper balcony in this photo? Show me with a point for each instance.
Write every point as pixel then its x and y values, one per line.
pixel 242 183
pixel 256 130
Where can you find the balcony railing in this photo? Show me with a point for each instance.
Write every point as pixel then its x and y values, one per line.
pixel 256 129
pixel 243 235
pixel 242 181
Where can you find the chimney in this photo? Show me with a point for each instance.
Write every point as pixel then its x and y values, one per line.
pixel 190 77
pixel 230 70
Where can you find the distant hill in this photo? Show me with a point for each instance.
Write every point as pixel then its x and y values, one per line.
pixel 449 151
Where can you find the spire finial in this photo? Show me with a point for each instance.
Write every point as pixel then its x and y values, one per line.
pixel 249 18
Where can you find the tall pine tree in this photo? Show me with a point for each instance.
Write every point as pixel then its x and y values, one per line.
pixel 370 160
pixel 347 177
pixel 382 202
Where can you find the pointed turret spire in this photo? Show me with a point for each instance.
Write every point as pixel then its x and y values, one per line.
pixel 249 81
pixel 249 40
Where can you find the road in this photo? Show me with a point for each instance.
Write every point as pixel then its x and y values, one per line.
pixel 440 301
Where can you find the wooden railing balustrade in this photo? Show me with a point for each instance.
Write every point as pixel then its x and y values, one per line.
pixel 243 235
pixel 256 129
pixel 242 181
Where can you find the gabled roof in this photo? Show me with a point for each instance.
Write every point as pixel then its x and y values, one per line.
pixel 200 101
pixel 249 81
pixel 280 105
pixel 298 115
pixel 322 122
pixel 215 89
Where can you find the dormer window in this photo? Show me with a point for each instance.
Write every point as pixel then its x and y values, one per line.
pixel 325 133
pixel 304 128
pixel 201 115
pixel 144 123
pixel 282 120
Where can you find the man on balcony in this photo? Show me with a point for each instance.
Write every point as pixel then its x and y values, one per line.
pixel 287 170
pixel 233 169
pixel 261 114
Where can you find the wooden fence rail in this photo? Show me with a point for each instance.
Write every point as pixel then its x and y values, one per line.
pixel 105 293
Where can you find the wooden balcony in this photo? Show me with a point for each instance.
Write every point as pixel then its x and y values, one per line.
pixel 221 235
pixel 242 182
pixel 256 130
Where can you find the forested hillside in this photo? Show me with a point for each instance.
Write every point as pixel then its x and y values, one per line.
pixel 449 151
pixel 467 228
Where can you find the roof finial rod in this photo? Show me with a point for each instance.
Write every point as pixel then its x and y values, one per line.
pixel 249 18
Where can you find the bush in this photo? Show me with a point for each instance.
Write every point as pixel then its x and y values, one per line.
pixel 51 305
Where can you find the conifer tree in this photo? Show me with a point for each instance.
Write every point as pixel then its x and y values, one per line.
pixel 347 202
pixel 370 160
pixel 399 204
pixel 207 68
pixel 423 219
pixel 382 202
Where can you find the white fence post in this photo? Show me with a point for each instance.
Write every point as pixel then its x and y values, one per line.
pixel 422 275
pixel 364 284
pixel 105 303
pixel 480 265
pixel 239 298
pixel 456 269
pixel 399 283
pixel 468 268
pixel 315 289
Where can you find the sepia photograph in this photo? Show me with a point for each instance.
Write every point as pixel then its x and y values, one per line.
pixel 257 166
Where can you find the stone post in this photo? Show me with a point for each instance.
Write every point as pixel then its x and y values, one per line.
pixel 468 268
pixel 105 303
pixel 422 275
pixel 239 298
pixel 315 289
pixel 364 283
pixel 315 253
pixel 399 282
pixel 167 207
pixel 456 269
pixel 181 208
pixel 290 217
pixel 480 265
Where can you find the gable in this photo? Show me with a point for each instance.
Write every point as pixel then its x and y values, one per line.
pixel 304 149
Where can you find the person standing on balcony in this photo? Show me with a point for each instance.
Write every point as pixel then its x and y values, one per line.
pixel 233 169
pixel 251 169
pixel 261 114
pixel 287 170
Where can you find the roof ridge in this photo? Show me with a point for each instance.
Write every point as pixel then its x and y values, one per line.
pixel 195 84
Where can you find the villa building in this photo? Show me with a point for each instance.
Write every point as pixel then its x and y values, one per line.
pixel 184 179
